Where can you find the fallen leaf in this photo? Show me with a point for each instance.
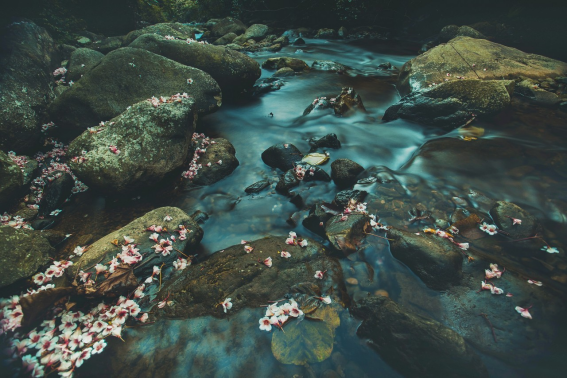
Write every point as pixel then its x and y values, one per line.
pixel 315 158
pixel 468 227
pixel 34 306
pixel 121 281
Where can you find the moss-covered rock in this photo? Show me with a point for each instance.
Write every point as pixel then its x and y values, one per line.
pixel 221 150
pixel 11 179
pixel 27 58
pixel 82 61
pixel 452 31
pixel 297 65
pixel 226 25
pixel 22 253
pixel 125 77
pixel 233 71
pixel 175 29
pixel 153 141
pixel 225 39
pixel 491 61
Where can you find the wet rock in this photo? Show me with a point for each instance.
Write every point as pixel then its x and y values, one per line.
pixel 344 172
pixel 452 103
pixel 329 141
pixel 99 95
pixel 233 71
pixel 174 29
pixel 225 39
pixel 268 84
pixel 329 65
pixel 314 173
pixel 11 180
pixel 343 198
pixel 500 62
pixel 385 66
pixel 502 210
pixel 256 32
pixel 326 34
pixel 452 31
pixel 434 350
pixel 529 89
pixel 346 235
pixel 82 61
pixel 286 182
pixel 233 273
pixel 22 253
pixel 108 44
pixel 316 219
pixel 103 249
pixel 299 42
pixel 56 193
pixel 348 100
pixel 295 64
pixel 227 25
pixel 257 187
pixel 282 156
pixel 436 261
pixel 221 150
pixel 283 40
pixel 27 59
pixel 284 72
pixel 152 142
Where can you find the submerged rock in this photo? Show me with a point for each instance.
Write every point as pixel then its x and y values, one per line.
pixel 22 253
pixel 233 71
pixel 329 65
pixel 502 210
pixel 257 187
pixel 500 62
pixel 218 162
pixel 346 235
pixel 282 156
pixel 295 64
pixel 344 172
pixel 243 277
pixel 105 250
pixel 414 345
pixel 11 180
pixel 152 141
pixel 82 61
pixel 436 261
pixel 27 60
pixel 453 103
pixel 100 94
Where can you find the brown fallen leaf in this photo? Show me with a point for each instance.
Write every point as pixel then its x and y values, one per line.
pixel 34 306
pixel 468 227
pixel 120 282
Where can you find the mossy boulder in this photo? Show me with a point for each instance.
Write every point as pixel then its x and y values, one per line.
pixel 453 103
pixel 492 61
pixel 152 142
pixel 28 56
pixel 221 150
pixel 82 61
pixel 127 76
pixel 174 29
pixel 295 64
pixel 452 31
pixel 233 71
pixel 226 25
pixel 22 253
pixel 225 39
pixel 11 179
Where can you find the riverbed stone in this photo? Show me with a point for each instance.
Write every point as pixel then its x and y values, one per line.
pixel 345 197
pixel 82 61
pixel 219 150
pixel 435 260
pixel 344 172
pixel 282 156
pixel 316 219
pixel 257 187
pixel 174 29
pixel 286 182
pixel 233 273
pixel 415 345
pixel 105 250
pixel 28 57
pixel 232 70
pixel 100 94
pixel 329 65
pixel 277 63
pixel 153 141
pixel 225 39
pixel 11 180
pixel 502 210
pixel 346 235
pixel 500 62
pixel 284 72
pixel 329 141
pixel 452 103
pixel 256 32
pixel 227 25
pixel 348 100
pixel 22 253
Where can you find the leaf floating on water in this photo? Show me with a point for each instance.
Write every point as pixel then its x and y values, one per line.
pixel 307 341
pixel 315 158
pixel 471 132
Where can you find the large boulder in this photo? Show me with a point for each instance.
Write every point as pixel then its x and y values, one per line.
pixel 233 70
pixel 82 61
pixel 453 103
pixel 217 162
pixel 105 249
pixel 436 261
pixel 11 179
pixel 127 76
pixel 452 31
pixel 227 25
pixel 174 29
pixel 256 32
pixel 233 273
pixel 22 253
pixel 491 61
pixel 414 345
pixel 27 59
pixel 152 141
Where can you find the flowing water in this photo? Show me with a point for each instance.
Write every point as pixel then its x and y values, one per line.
pixel 234 346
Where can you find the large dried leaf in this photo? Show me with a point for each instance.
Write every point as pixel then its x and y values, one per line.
pixel 34 306
pixel 120 282
pixel 468 227
pixel 315 158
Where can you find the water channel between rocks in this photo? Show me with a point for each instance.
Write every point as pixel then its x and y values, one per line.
pixel 234 346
